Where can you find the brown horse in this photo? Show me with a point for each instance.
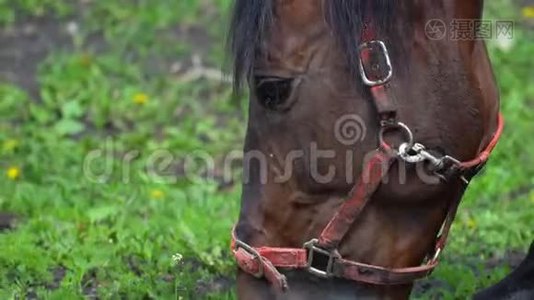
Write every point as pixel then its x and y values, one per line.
pixel 307 73
pixel 518 285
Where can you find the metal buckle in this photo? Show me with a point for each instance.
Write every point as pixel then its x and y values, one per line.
pixel 385 53
pixel 387 127
pixel 255 254
pixel 312 250
pixel 418 153
pixel 447 164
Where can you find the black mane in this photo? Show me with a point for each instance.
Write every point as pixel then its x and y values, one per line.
pixel 252 19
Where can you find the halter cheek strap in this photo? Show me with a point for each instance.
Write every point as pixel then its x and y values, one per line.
pixel 320 256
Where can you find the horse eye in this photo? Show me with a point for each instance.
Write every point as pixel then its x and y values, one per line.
pixel 273 92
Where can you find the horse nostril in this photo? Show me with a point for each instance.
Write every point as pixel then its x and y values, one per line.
pixel 273 92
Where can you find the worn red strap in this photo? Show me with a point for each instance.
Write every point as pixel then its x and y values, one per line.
pixel 485 154
pixel 262 262
pixel 379 275
pixel 369 181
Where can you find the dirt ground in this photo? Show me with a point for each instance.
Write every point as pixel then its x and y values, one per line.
pixel 25 45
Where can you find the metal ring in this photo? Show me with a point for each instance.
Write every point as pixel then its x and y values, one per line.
pixel 390 127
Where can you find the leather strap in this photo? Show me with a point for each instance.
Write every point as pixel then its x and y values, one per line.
pixel 483 157
pixel 381 276
pixel 369 181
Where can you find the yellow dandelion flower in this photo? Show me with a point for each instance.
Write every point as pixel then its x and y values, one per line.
pixel 157 194
pixel 528 12
pixel 13 173
pixel 140 99
pixel 471 223
pixel 10 145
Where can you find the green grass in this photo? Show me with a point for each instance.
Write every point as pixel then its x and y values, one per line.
pixel 117 231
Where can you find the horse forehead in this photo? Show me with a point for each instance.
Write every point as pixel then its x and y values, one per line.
pixel 299 12
pixel 297 31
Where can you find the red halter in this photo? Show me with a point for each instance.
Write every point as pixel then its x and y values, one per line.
pixel 320 256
